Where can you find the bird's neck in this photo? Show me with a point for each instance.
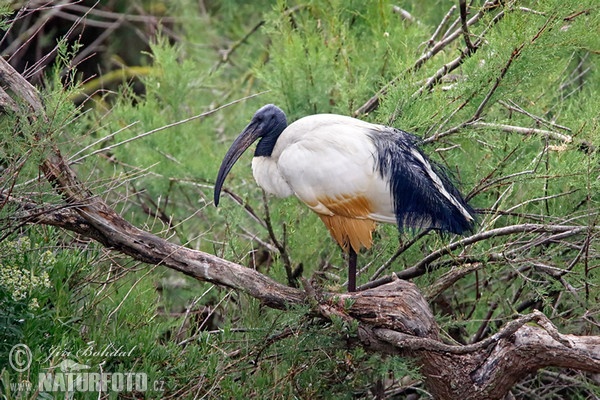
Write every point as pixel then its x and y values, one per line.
pixel 264 147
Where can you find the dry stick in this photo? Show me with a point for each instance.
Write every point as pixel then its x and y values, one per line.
pixel 88 22
pixel 401 249
pixel 28 35
pixel 404 14
pixel 512 106
pixel 227 53
pixel 171 125
pixel 437 31
pixel 103 139
pixel 118 16
pixel 38 66
pixel 525 131
pixel 463 24
pixel 287 263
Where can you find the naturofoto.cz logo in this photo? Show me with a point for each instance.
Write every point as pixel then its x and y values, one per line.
pixel 71 376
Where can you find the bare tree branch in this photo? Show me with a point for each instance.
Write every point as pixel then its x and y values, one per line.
pixel 525 131
pixel 463 24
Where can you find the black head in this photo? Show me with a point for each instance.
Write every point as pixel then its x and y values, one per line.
pixel 266 124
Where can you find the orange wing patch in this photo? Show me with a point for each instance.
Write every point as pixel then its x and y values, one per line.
pixel 349 225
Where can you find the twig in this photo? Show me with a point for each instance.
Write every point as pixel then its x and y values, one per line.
pixel 465 28
pixel 437 31
pixel 281 246
pixel 226 54
pixel 120 16
pixel 401 250
pixel 171 125
pixel 103 139
pixel 420 267
pixel 512 106
pixel 514 55
pixel 33 30
pixel 524 131
pixel 247 207
pixel 537 199
pixel 577 14
pixel 404 14
pixel 38 66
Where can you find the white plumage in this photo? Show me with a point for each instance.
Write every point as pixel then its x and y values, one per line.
pixel 326 157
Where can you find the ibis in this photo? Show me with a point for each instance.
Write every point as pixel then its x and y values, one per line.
pixel 352 174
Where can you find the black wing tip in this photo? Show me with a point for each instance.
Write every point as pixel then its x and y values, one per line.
pixel 444 223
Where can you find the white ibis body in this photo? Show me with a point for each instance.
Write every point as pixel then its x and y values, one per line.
pixel 351 173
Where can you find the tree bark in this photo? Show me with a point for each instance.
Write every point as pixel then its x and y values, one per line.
pixel 393 318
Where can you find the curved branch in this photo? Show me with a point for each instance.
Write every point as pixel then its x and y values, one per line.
pixel 501 360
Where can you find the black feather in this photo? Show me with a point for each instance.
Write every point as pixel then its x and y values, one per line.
pixel 418 202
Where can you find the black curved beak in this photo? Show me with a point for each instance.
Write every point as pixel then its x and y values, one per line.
pixel 239 145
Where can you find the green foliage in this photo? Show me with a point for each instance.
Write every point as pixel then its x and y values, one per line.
pixel 536 70
pixel 23 280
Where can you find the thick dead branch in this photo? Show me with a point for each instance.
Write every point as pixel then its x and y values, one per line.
pixel 518 349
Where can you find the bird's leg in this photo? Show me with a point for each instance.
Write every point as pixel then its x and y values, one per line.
pixel 351 270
